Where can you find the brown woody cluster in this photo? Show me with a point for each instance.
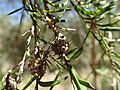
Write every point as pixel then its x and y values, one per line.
pixel 37 67
pixel 60 45
pixel 11 83
pixel 39 63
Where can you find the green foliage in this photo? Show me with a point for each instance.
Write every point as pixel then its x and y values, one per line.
pixel 49 46
pixel 78 82
pixel 76 53
pixel 51 83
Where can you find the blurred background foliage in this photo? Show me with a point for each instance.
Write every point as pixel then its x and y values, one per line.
pixel 12 44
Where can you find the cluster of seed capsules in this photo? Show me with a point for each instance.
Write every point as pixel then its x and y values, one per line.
pixel 38 64
pixel 60 46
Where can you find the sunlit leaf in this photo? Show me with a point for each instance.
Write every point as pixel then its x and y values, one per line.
pixel 86 83
pixel 56 5
pixel 108 24
pixel 66 2
pixel 74 77
pixel 31 10
pixel 78 81
pixel 87 12
pixel 37 16
pixel 117 64
pixel 117 71
pixel 71 51
pixel 110 28
pixel 57 10
pixel 77 53
pixel 117 55
pixel 52 83
pixel 104 44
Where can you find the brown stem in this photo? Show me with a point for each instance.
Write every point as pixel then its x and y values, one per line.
pixel 93 56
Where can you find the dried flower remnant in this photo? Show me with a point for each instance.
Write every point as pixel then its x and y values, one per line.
pixel 11 83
